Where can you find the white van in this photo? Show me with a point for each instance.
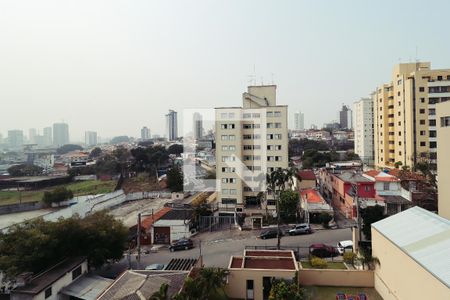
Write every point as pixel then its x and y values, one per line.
pixel 344 246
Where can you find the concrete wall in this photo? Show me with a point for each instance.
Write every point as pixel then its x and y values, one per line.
pixel 443 162
pixel 350 278
pixel 237 281
pixel 178 229
pixel 399 277
pixel 20 207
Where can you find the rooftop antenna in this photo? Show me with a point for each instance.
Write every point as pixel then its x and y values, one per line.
pixel 417 51
pixel 262 81
pixel 252 77
pixel 271 75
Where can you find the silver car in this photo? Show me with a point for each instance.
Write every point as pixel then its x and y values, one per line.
pixel 300 229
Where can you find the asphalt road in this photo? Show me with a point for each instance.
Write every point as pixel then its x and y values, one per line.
pixel 217 248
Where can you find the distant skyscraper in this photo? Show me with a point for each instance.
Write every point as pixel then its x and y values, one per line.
pixel 345 117
pixel 198 126
pixel 60 134
pixel 363 123
pixel 171 125
pixel 32 133
pixel 90 138
pixel 47 137
pixel 299 120
pixel 145 133
pixel 15 139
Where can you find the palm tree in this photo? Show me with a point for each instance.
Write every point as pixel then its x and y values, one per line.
pixel 366 258
pixel 161 294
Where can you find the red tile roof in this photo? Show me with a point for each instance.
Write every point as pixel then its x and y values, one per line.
pixel 236 262
pixel 306 175
pixel 269 263
pixel 406 175
pixel 268 253
pixel 372 173
pixel 265 259
pixel 311 195
pixel 148 221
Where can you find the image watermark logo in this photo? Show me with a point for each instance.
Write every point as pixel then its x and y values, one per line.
pixel 225 150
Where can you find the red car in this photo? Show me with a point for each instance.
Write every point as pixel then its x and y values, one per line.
pixel 322 250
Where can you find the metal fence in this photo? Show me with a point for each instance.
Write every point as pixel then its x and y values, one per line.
pixel 300 252
pixel 215 223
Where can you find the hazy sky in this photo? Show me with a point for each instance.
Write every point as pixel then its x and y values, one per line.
pixel 115 66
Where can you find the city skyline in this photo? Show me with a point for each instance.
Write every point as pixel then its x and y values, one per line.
pixel 97 71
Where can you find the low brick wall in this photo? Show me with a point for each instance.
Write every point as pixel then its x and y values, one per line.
pixel 350 278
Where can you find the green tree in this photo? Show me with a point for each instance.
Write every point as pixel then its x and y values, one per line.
pixel 175 179
pixel 277 182
pixel 176 149
pixel 208 284
pixel 96 152
pixel 161 294
pixel 25 170
pixel 289 206
pixel 58 195
pixel 68 148
pixel 36 245
pixel 282 290
pixel 371 214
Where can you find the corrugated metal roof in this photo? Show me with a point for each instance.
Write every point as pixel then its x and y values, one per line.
pixel 424 236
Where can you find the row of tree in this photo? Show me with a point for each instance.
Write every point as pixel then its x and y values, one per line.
pixel 37 245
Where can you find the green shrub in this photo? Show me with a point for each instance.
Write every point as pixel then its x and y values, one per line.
pixel 349 257
pixel 318 263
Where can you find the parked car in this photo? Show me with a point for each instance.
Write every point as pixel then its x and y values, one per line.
pixel 322 250
pixel 182 244
pixel 270 234
pixel 344 246
pixel 155 267
pixel 300 229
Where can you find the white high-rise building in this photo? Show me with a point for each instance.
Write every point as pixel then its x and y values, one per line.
pixel 363 126
pixel 15 139
pixel 60 134
pixel 171 125
pixel 47 137
pixel 32 134
pixel 251 141
pixel 145 133
pixel 90 138
pixel 299 120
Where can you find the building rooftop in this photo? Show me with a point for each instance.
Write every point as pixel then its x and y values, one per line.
pixel 353 177
pixel 306 175
pixel 265 260
pixel 43 280
pixel 148 221
pixel 312 196
pixel 423 236
pixel 87 287
pixel 381 176
pixel 136 285
pixel 178 214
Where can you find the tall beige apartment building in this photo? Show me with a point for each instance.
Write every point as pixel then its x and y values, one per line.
pixel 250 141
pixel 443 134
pixel 405 114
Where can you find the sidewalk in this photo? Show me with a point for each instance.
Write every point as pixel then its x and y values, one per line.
pixel 342 221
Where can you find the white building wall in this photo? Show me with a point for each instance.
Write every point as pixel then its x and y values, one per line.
pixel 363 126
pixel 178 228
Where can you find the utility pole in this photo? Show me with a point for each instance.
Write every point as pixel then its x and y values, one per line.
pixel 278 222
pixel 139 241
pixel 358 216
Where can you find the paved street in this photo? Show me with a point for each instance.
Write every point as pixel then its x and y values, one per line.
pixel 217 247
